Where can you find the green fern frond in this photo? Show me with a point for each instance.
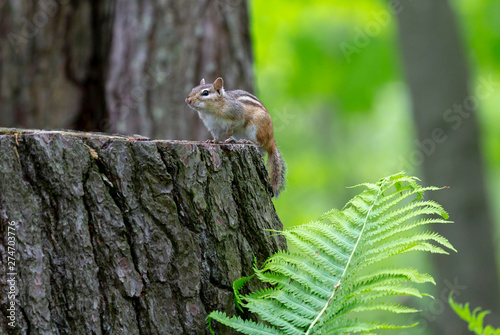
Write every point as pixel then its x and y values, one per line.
pixel 237 286
pixel 334 278
pixel 474 318
pixel 243 326
pixel 355 326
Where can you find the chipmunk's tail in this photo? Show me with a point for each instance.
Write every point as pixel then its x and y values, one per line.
pixel 277 169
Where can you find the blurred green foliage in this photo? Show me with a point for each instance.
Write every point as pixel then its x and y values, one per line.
pixel 342 115
pixel 342 118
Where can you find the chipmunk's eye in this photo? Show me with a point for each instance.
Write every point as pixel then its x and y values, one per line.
pixel 205 92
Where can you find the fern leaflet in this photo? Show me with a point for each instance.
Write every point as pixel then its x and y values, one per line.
pixel 334 276
pixel 474 319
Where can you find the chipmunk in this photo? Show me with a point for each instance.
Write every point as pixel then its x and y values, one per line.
pixel 241 116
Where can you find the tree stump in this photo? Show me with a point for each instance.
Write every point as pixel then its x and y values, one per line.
pixel 114 235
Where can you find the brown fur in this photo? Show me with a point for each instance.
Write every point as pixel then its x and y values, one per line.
pixel 277 168
pixel 238 110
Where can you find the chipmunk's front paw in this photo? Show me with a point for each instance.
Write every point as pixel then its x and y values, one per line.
pixel 229 141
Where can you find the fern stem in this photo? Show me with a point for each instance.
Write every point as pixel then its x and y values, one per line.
pixel 336 287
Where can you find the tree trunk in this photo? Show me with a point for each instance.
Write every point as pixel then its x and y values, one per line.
pixel 449 154
pixel 117 236
pixel 118 65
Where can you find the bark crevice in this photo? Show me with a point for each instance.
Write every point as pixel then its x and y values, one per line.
pixel 93 237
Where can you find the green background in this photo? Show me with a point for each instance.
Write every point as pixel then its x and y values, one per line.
pixel 345 118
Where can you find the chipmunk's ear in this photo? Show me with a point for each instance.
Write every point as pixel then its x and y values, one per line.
pixel 219 85
pixel 202 82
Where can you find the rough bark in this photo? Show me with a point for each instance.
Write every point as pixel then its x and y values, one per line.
pixel 118 65
pixel 120 236
pixel 444 111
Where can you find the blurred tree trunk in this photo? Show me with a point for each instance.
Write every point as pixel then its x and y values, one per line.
pixel 118 65
pixel 449 154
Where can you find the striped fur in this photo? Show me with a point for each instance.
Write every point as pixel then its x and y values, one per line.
pixel 240 115
pixel 247 98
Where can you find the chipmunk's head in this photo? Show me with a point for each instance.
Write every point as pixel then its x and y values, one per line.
pixel 206 97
